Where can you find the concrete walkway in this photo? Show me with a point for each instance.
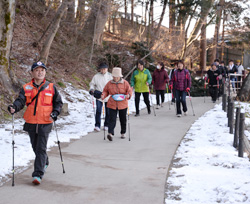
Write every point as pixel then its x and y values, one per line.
pixel 118 172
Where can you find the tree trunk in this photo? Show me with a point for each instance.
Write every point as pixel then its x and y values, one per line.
pixel 52 32
pixel 7 18
pixel 126 8
pixel 244 94
pixel 80 14
pixel 95 23
pixel 171 15
pixel 71 11
pixel 132 12
pixel 203 46
pixel 157 31
pixel 205 8
pixel 214 54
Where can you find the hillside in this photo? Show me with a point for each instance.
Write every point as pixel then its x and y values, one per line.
pixel 67 62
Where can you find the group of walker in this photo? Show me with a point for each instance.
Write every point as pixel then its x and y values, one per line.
pixel 219 73
pixel 113 92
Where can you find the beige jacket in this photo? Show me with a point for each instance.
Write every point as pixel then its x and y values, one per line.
pixel 99 81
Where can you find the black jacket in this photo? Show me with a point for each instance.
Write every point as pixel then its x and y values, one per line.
pixel 212 76
pixel 20 102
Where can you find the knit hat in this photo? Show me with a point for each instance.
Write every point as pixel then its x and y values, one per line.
pixel 237 61
pixel 214 64
pixel 38 64
pixel 117 72
pixel 102 66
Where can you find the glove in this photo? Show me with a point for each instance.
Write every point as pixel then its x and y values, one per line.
pixel 187 89
pixel 170 87
pixel 205 78
pixel 97 94
pixel 217 78
pixel 91 92
pixel 54 115
pixel 9 107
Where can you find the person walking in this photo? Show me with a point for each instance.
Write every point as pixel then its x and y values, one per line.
pixel 213 76
pixel 240 70
pixel 120 92
pixel 96 87
pixel 170 77
pixel 159 80
pixel 182 82
pixel 140 81
pixel 232 69
pixel 44 104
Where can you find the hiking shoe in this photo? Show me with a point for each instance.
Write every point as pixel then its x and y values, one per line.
pixel 162 105
pixel 185 113
pixel 149 111
pixel 110 137
pixel 179 115
pixel 105 128
pixel 137 114
pixel 123 136
pixel 36 180
pixel 46 166
pixel 97 129
pixel 158 106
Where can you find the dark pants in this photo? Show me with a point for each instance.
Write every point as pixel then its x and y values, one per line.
pixel 173 95
pixel 158 93
pixel 137 101
pixel 112 120
pixel 213 91
pixel 181 99
pixel 99 112
pixel 39 145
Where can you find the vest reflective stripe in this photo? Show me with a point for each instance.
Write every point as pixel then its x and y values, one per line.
pixel 44 104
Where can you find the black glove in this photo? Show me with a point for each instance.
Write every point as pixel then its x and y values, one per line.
pixel 97 94
pixel 91 92
pixel 54 115
pixel 10 106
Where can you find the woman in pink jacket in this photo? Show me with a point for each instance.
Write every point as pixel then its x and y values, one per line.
pixel 160 79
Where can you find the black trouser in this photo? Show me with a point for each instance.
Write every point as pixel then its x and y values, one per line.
pixel 213 91
pixel 158 93
pixel 137 101
pixel 112 120
pixel 39 145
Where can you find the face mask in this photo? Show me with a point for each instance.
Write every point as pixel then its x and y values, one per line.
pixel 158 67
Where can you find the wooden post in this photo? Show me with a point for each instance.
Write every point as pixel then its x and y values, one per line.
pixel 241 134
pixel 236 130
pixel 231 125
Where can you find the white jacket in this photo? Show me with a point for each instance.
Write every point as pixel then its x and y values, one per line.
pixel 99 81
pixel 240 69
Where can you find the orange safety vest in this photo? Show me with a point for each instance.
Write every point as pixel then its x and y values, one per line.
pixel 44 103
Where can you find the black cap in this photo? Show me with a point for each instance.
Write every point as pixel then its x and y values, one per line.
pixel 38 64
pixel 102 66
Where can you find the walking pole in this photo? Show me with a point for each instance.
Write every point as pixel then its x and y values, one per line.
pixel 58 142
pixel 128 126
pixel 103 105
pixel 13 144
pixel 169 100
pixel 93 103
pixel 205 87
pixel 191 103
pixel 175 104
pixel 151 101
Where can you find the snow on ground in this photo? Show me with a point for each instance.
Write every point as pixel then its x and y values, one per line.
pixel 206 166
pixel 76 125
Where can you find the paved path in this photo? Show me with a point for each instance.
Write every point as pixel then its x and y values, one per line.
pixel 103 172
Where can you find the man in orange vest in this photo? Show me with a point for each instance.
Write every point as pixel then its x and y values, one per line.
pixel 44 104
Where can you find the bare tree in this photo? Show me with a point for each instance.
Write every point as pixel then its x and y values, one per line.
pixel 132 12
pixel 203 46
pixel 80 14
pixel 71 11
pixel 7 19
pixel 171 15
pixel 52 31
pixel 94 26
pixel 216 31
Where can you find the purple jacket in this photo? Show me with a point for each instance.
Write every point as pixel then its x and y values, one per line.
pixel 159 79
pixel 181 79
